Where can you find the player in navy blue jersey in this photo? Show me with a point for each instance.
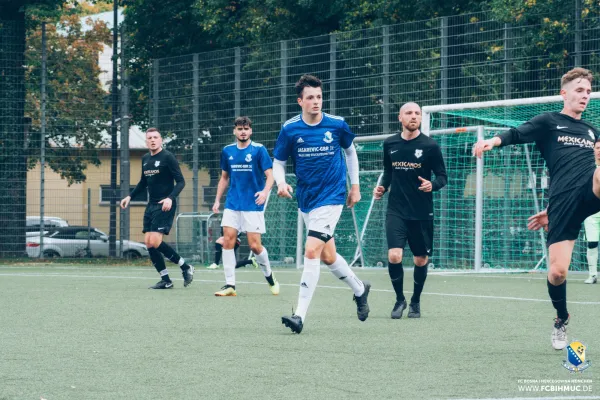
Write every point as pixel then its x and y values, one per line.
pixel 248 170
pixel 409 158
pixel 315 141
pixel 566 143
pixel 159 169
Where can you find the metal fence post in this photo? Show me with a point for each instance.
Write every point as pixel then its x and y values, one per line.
pixel 124 161
pixel 479 207
pixel 444 195
pixel 386 79
pixel 283 117
pixel 444 62
pixel 577 33
pixel 195 129
pixel 155 93
pixel 332 72
pixel 238 81
pixel 43 139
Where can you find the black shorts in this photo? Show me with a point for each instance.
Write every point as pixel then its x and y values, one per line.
pixel 157 220
pixel 568 210
pixel 418 233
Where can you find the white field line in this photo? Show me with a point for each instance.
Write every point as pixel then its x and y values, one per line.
pixel 219 281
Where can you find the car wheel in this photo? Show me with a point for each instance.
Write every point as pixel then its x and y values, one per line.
pixel 50 254
pixel 131 254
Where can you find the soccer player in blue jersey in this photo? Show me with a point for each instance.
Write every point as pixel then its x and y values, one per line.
pixel 244 164
pixel 315 142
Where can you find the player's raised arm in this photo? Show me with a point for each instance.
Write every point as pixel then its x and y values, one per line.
pixel 531 131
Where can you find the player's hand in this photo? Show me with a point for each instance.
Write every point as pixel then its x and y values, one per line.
pixel 261 197
pixel 378 192
pixel 125 202
pixel 537 221
pixel 353 196
pixel 426 185
pixel 485 145
pixel 284 190
pixel 215 207
pixel 166 204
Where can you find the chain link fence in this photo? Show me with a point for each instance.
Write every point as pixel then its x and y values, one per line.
pixel 194 99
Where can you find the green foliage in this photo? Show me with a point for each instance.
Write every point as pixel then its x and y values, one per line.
pixel 77 112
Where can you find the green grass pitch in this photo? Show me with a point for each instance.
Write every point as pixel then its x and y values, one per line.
pixel 93 332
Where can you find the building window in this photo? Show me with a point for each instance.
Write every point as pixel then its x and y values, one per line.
pixel 139 199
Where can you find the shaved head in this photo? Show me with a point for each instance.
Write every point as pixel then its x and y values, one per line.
pixel 410 117
pixel 408 105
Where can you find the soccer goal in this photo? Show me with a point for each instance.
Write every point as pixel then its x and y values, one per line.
pixel 481 216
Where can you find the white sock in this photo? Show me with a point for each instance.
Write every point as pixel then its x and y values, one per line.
pixel 308 283
pixel 341 270
pixel 263 261
pixel 592 256
pixel 229 266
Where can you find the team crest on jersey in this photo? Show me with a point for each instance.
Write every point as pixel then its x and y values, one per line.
pixel 156 163
pixel 328 137
pixel 418 153
pixel 248 157
pixel 591 134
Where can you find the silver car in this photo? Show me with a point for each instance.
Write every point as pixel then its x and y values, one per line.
pixel 79 241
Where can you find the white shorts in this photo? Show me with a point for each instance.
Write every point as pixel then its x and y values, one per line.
pixel 244 221
pixel 592 228
pixel 323 219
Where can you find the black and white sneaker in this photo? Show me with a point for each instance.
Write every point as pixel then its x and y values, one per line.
pixel 362 307
pixel 294 323
pixel 188 275
pixel 559 333
pixel 162 285
pixel 414 310
pixel 398 309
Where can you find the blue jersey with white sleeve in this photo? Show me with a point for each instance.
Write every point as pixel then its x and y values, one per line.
pixel 246 169
pixel 316 151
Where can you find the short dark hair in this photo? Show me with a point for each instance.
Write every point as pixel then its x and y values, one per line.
pixel 576 73
pixel 597 141
pixel 242 121
pixel 305 81
pixel 149 130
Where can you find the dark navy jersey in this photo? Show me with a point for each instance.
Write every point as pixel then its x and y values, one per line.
pixel 161 175
pixel 566 144
pixel 403 162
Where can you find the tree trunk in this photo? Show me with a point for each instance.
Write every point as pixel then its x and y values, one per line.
pixel 13 165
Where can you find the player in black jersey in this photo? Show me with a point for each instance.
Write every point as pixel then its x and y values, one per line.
pixel 566 143
pixel 409 158
pixel 159 169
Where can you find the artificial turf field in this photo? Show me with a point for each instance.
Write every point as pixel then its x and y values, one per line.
pixel 92 332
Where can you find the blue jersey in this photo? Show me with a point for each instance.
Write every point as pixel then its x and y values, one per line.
pixel 317 154
pixel 246 169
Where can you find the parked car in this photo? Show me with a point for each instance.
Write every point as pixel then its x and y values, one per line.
pixel 72 241
pixel 33 224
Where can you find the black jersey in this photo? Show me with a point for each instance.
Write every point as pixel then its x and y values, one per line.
pixel 403 162
pixel 566 144
pixel 158 173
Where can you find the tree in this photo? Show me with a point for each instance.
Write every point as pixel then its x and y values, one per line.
pixel 77 106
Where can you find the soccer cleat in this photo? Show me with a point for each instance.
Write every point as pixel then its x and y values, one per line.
pixel 162 285
pixel 275 288
pixel 226 290
pixel 591 279
pixel 294 323
pixel 254 262
pixel 188 275
pixel 398 309
pixel 559 333
pixel 362 307
pixel 414 310
pixel 213 266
